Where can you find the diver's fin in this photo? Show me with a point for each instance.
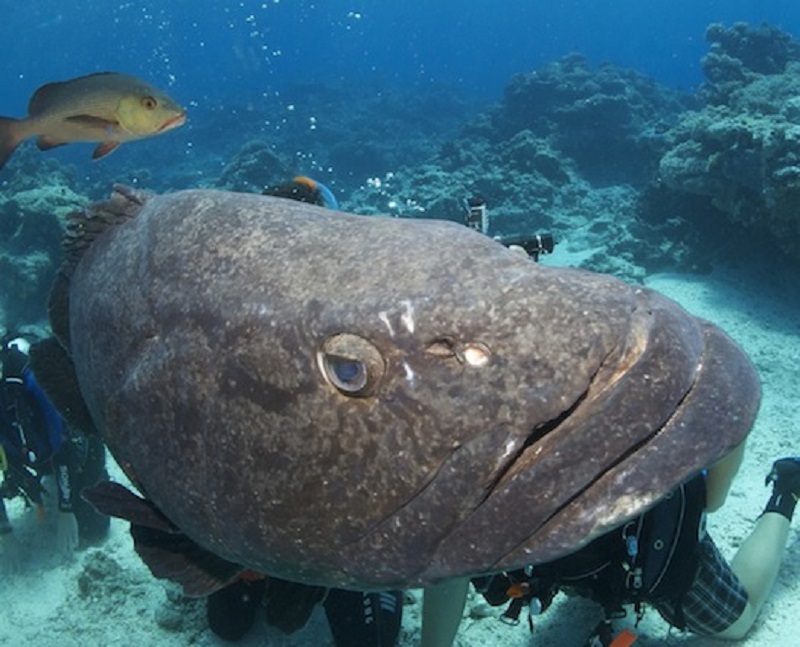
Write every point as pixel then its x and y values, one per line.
pixel 288 605
pixel 85 225
pixel 168 553
pixel 9 138
pixel 55 373
pixel 103 149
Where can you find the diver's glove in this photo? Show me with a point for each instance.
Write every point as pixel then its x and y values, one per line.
pixel 785 479
pixel 66 533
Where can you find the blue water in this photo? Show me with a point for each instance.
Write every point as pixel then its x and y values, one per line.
pixel 240 69
pixel 234 64
pixel 210 53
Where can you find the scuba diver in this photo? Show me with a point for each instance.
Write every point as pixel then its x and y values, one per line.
pixel 36 442
pixel 663 558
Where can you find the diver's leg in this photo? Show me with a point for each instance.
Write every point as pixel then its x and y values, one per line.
pixel 364 619
pixel 757 561
pixel 231 611
pixel 442 608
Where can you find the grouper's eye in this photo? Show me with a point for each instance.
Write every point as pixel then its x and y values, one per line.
pixel 351 364
pixel 349 375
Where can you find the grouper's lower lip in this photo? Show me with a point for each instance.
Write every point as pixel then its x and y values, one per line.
pixel 176 121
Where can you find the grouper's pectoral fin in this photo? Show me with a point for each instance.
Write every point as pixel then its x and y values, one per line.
pixel 175 557
pixel 168 552
pixel 115 500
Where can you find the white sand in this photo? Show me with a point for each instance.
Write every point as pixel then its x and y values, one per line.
pixel 42 605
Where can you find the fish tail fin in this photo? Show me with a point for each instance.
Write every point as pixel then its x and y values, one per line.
pixel 9 138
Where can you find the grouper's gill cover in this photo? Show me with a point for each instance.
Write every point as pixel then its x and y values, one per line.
pixel 373 402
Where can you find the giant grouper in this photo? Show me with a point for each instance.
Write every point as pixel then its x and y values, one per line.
pixel 370 402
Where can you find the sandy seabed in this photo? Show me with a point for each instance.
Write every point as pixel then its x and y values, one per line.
pixel 106 596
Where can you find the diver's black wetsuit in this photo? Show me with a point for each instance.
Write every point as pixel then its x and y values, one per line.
pixel 356 619
pixel 35 442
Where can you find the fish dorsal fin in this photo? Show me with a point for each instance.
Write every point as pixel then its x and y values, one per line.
pixel 45 96
pixel 51 93
pixel 82 228
pixel 86 225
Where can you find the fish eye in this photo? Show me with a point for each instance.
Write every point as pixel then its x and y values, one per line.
pixel 347 374
pixel 149 103
pixel 351 364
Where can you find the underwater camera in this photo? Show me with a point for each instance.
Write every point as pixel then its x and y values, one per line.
pixel 477 218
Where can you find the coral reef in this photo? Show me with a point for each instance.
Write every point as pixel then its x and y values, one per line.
pixel 253 168
pixel 560 153
pixel 741 54
pixel 609 120
pixel 742 150
pixel 31 228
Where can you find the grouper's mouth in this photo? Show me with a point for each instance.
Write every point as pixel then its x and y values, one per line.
pixel 650 417
pixel 570 499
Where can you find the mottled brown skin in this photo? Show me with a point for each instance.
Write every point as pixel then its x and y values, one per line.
pixel 195 329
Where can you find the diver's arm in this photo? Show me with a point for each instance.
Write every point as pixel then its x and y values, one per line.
pixel 720 477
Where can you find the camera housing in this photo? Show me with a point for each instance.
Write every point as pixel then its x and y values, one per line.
pixel 535 245
pixel 477 218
